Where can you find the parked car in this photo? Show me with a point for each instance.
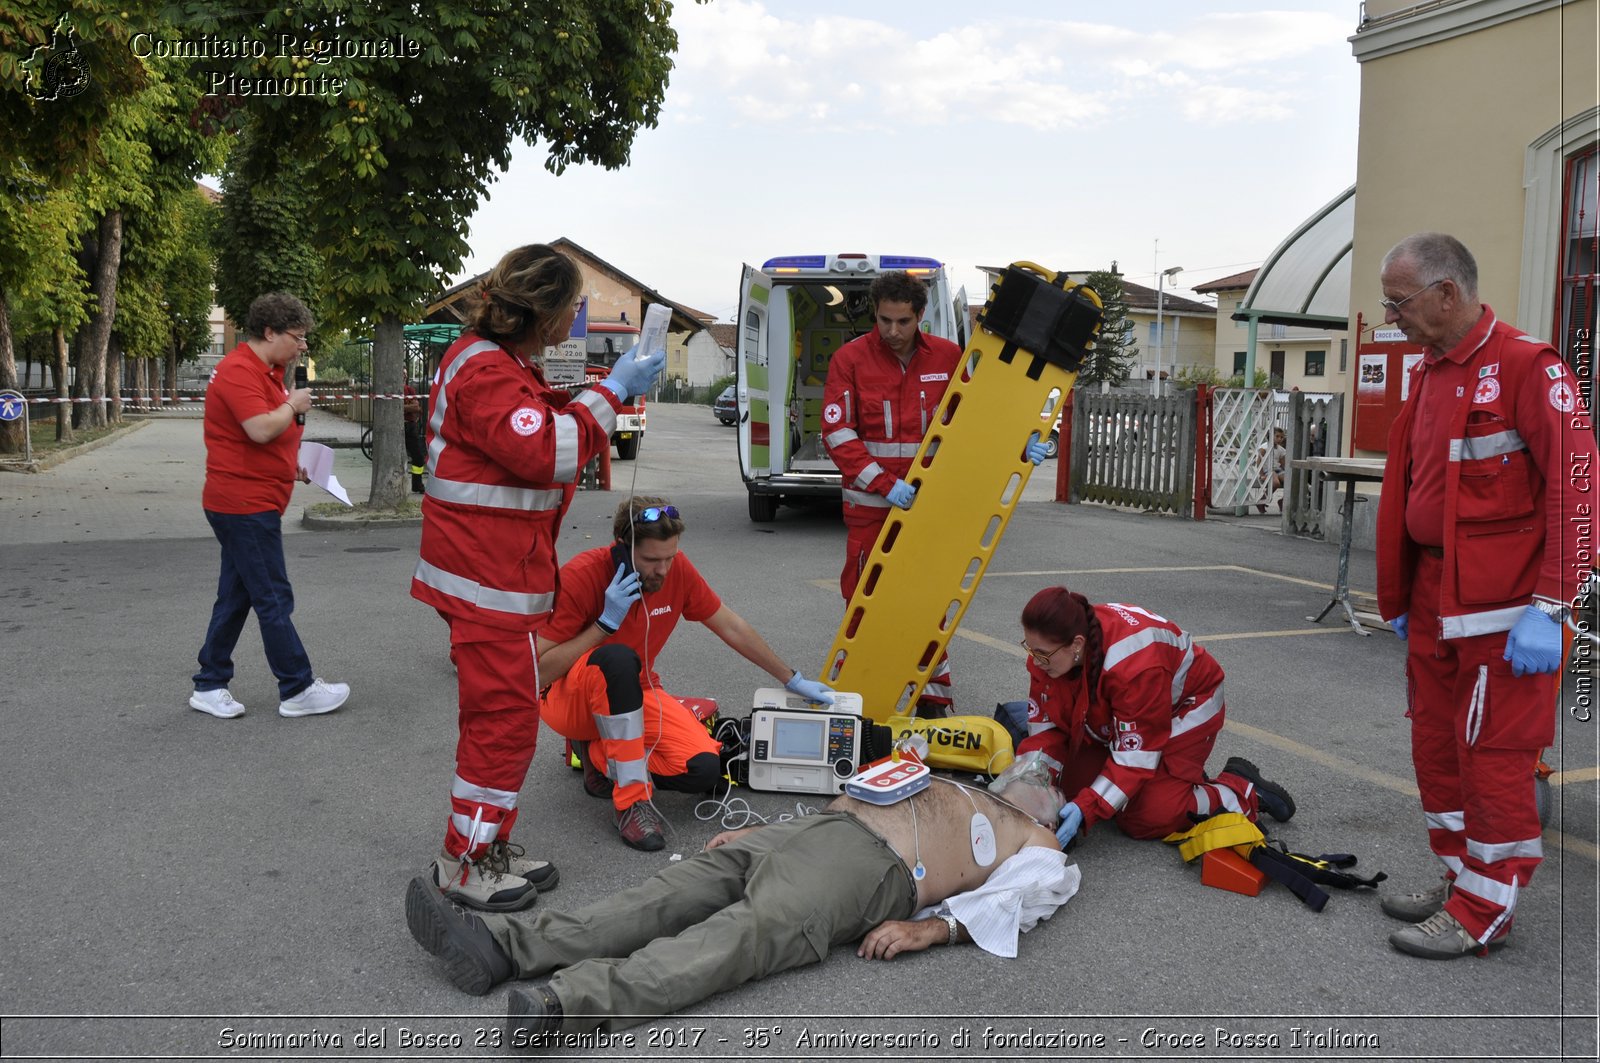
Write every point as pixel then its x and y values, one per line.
pixel 727 405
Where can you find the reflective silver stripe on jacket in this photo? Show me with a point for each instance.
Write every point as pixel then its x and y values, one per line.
pixel 864 498
pixel 891 450
pixel 527 499
pixel 1202 713
pixel 888 418
pixel 1484 623
pixel 1473 448
pixel 1110 793
pixel 569 436
pixel 476 594
pixel 840 437
pixel 865 477
pixel 1137 758
pixel 441 398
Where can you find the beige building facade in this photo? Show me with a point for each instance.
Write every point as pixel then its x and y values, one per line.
pixel 1480 118
pixel 1312 360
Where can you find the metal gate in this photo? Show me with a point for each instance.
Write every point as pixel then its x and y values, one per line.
pixel 1133 450
pixel 1242 420
pixel 1316 429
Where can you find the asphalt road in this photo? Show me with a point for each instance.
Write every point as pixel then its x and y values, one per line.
pixel 185 887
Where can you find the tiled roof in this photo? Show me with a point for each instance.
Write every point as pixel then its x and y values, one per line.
pixel 1231 282
pixel 726 333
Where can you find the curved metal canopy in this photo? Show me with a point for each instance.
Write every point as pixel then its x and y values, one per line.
pixel 1306 279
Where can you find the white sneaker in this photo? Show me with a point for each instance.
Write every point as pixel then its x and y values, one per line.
pixel 218 703
pixel 317 698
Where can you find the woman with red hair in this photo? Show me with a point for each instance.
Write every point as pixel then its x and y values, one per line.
pixel 1125 708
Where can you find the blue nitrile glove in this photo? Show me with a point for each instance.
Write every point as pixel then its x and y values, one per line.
pixel 902 494
pixel 1534 645
pixel 810 689
pixel 1035 451
pixel 1071 823
pixel 635 372
pixel 1401 625
pixel 620 596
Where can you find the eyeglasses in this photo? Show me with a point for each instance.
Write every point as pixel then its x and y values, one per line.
pixel 1393 305
pixel 651 514
pixel 1042 658
pixel 298 337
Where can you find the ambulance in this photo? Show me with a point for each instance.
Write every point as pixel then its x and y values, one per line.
pixel 794 312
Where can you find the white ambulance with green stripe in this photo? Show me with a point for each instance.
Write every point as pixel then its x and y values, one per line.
pixel 794 312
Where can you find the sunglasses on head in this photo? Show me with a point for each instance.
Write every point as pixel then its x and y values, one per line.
pixel 651 514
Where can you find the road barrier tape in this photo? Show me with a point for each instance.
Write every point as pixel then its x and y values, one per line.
pixel 148 403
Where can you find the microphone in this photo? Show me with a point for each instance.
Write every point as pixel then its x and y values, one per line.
pixel 300 381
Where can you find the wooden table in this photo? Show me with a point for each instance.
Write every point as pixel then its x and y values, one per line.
pixel 1352 471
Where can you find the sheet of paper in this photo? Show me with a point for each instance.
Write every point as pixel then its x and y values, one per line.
pixel 317 460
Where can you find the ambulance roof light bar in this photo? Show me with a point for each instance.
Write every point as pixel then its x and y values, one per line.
pixel 850 262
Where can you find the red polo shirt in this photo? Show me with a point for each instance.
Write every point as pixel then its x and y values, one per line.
pixel 243 476
pixel 683 595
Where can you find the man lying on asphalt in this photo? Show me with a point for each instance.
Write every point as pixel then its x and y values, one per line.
pixel 765 899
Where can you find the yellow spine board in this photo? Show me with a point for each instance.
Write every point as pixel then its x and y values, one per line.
pixel 969 473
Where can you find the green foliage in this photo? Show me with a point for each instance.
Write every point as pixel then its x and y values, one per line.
pixel 265 241
pixel 1191 376
pixel 1114 352
pixel 163 294
pixel 399 158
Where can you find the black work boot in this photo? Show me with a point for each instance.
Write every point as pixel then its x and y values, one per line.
pixel 1271 798
pixel 473 960
pixel 531 1015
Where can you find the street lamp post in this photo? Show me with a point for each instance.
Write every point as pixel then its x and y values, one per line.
pixel 1161 327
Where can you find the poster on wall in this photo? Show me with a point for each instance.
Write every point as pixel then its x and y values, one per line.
pixel 1371 381
pixel 1406 362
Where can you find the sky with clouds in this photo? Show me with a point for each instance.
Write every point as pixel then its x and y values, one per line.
pixel 1152 133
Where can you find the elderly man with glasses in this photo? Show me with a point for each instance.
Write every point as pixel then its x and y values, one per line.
pixel 617 608
pixel 1484 532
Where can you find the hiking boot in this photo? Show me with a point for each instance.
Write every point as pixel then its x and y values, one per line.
pixel 1271 798
pixel 315 699
pixel 641 827
pixel 478 884
pixel 532 1014
pixel 1415 907
pixel 473 960
pixel 595 782
pixel 218 703
pixel 1441 937
pixel 542 873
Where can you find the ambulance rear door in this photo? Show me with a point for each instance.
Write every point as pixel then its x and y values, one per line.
pixel 752 375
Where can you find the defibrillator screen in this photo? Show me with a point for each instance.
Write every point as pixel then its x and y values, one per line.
pixel 797 739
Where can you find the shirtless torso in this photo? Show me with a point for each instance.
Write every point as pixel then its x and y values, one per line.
pixel 942 834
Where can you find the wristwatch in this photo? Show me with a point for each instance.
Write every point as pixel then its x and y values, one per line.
pixel 955 928
pixel 1554 610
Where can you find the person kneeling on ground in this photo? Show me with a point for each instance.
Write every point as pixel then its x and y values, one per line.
pixel 599 645
pixel 767 899
pixel 1126 708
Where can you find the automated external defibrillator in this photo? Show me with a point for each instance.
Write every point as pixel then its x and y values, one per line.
pixel 794 747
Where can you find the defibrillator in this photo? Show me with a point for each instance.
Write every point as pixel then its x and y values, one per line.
pixel 795 746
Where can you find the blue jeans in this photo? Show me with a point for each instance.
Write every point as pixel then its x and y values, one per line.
pixel 253 577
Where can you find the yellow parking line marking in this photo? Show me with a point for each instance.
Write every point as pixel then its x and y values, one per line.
pixel 1343 629
pixel 1562 778
pixel 1147 569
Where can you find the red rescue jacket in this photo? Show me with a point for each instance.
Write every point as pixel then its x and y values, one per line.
pixel 876 411
pixel 1158 691
pixel 1519 498
pixel 504 451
